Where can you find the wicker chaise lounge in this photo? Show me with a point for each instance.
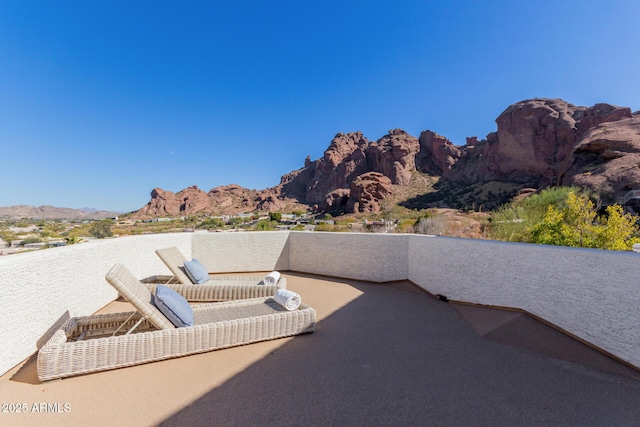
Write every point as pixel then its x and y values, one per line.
pixel 101 342
pixel 218 288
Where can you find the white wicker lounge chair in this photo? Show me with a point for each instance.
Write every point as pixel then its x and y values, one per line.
pixel 101 342
pixel 218 288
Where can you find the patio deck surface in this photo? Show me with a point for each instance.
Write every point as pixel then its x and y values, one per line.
pixel 381 355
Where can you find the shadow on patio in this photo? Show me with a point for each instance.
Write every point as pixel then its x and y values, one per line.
pixel 397 356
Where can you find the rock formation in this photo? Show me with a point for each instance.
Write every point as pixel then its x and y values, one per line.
pixel 368 191
pixel 341 163
pixel 437 154
pixel 229 199
pixel 394 156
pixel 349 156
pixel 538 143
pixel 607 159
pixel 336 201
pixel 167 203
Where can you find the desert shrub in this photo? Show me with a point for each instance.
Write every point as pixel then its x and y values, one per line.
pixel 235 221
pixel 211 223
pixel 265 225
pixel 432 224
pixel 513 222
pixel 31 240
pixel 407 225
pixel 101 229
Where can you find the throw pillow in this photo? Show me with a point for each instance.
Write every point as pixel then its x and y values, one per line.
pixel 173 306
pixel 196 271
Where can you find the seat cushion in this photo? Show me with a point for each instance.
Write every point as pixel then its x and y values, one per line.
pixel 196 271
pixel 173 306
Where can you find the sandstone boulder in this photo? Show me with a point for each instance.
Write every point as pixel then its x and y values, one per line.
pixel 534 138
pixel 335 201
pixel 367 191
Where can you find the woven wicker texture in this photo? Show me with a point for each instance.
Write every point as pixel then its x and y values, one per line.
pixel 218 325
pixel 222 291
pixel 138 295
pixel 174 260
pixel 218 288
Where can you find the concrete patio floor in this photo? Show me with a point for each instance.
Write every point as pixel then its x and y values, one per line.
pixel 381 355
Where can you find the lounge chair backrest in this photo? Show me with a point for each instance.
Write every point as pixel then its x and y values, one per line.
pixel 138 295
pixel 174 259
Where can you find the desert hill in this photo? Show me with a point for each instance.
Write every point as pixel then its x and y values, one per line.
pixel 52 212
pixel 538 143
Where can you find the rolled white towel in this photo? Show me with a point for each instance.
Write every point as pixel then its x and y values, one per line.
pixel 272 278
pixel 288 299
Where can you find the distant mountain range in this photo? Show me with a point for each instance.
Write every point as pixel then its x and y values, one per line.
pixel 538 143
pixel 53 212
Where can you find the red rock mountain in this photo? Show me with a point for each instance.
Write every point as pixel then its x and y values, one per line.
pixel 229 199
pixel 538 143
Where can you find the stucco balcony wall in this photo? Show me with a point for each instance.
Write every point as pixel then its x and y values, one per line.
pixel 43 288
pixel 592 294
pixel 362 256
pixel 243 251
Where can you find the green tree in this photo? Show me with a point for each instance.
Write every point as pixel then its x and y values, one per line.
pixel 577 225
pixel 618 234
pixel 275 216
pixel 101 229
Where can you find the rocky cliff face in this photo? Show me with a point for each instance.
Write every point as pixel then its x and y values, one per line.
pixel 395 156
pixel 543 142
pixel 341 163
pixel 607 158
pixel 538 142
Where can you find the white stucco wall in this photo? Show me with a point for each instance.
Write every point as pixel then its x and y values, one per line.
pixel 38 289
pixel 242 251
pixel 593 294
pixel 364 256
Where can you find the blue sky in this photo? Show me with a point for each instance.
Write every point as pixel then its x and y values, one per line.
pixel 100 102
